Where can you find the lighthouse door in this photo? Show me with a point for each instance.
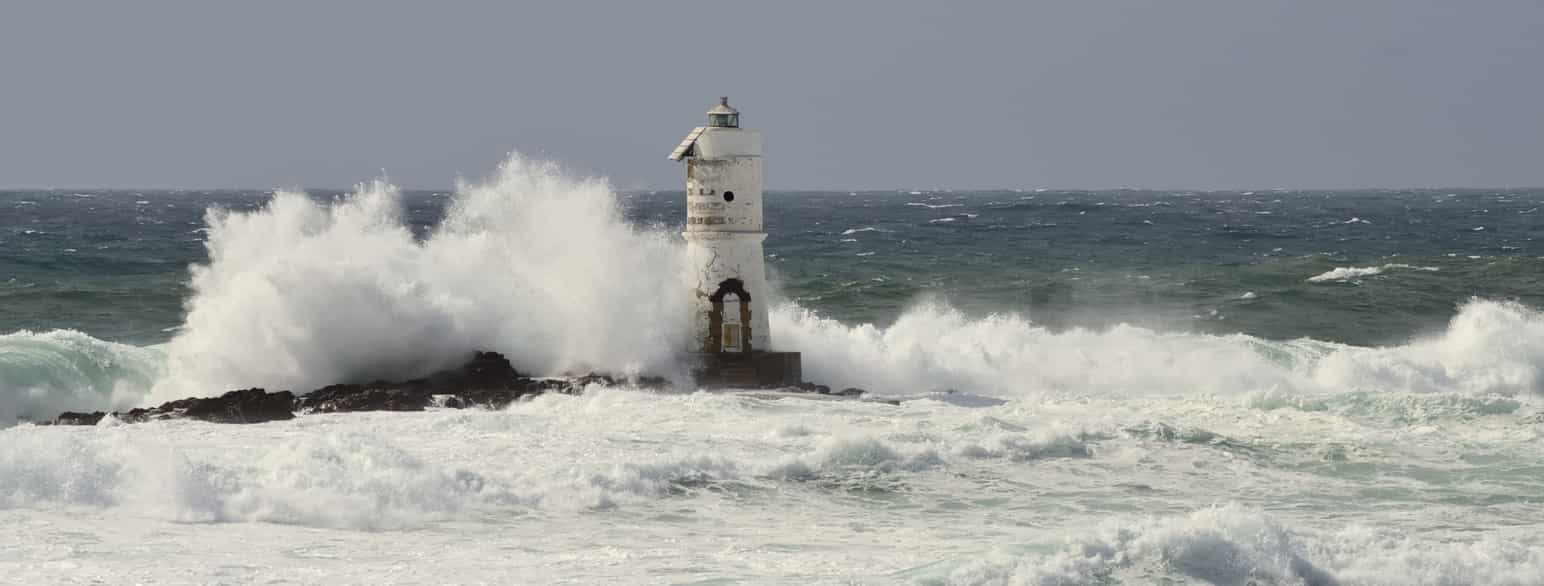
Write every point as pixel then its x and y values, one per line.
pixel 733 330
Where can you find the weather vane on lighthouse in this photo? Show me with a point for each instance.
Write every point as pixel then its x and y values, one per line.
pixel 724 232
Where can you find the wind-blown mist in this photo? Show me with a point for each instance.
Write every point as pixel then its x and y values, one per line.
pixel 532 263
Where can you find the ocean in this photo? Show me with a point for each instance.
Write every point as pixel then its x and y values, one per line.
pixel 1081 387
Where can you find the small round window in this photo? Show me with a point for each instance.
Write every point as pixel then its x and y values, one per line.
pixel 728 196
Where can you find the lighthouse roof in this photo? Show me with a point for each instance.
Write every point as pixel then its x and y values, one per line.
pixel 723 107
pixel 686 147
pixel 723 116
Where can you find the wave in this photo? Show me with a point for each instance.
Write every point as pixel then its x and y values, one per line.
pixel 43 374
pixel 1488 347
pixel 543 267
pixel 348 473
pixel 531 263
pixel 1490 350
pixel 851 231
pixel 1349 273
pixel 1235 545
pixel 337 480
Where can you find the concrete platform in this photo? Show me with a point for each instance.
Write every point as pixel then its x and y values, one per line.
pixel 747 371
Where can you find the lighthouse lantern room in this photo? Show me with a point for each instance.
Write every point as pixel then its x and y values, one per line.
pixel 724 234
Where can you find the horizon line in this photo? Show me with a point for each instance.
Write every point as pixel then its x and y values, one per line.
pixel 831 189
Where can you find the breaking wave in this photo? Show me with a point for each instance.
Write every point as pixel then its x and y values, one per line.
pixel 345 473
pixel 532 263
pixel 43 374
pixel 544 268
pixel 1488 347
pixel 346 480
pixel 1234 545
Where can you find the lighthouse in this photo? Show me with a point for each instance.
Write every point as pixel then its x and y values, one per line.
pixel 730 338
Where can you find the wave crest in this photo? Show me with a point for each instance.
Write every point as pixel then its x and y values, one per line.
pixel 43 374
pixel 532 263
pixel 1234 545
pixel 1349 273
pixel 1488 347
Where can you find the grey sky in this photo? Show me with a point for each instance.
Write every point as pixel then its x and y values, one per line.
pixel 878 94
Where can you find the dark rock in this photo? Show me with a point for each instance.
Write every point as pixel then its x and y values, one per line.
pixel 488 381
pixel 371 397
pixel 73 418
pixel 246 406
pixel 809 387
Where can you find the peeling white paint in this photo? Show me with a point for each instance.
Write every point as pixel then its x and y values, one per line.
pixel 724 233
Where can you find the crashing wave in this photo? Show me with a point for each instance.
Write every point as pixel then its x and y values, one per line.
pixel 302 294
pixel 1489 347
pixel 299 294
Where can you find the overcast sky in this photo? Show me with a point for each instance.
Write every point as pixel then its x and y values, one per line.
pixel 859 94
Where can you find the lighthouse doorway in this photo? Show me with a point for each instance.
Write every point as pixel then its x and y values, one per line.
pixel 729 321
pixel 732 326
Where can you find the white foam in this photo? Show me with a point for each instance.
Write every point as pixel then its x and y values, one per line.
pixel 1489 347
pixel 845 456
pixel 934 206
pixel 1349 273
pixel 1235 545
pixel 343 480
pixel 298 295
pixel 933 346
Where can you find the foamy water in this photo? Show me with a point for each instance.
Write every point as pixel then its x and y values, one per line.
pixel 624 485
pixel 1019 453
pixel 1350 273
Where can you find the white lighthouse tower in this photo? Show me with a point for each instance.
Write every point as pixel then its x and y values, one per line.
pixel 724 235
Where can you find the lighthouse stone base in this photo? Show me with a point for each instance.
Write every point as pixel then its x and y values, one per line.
pixel 746 370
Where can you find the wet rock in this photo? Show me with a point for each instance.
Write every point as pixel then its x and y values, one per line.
pixel 809 387
pixel 244 406
pixel 371 397
pixel 488 380
pixel 73 418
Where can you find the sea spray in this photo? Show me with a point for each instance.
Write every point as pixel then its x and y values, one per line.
pixel 1489 347
pixel 542 266
pixel 532 263
pixel 934 346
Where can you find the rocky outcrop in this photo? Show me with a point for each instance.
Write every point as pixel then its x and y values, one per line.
pixel 488 380
pixel 247 406
pixel 808 387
